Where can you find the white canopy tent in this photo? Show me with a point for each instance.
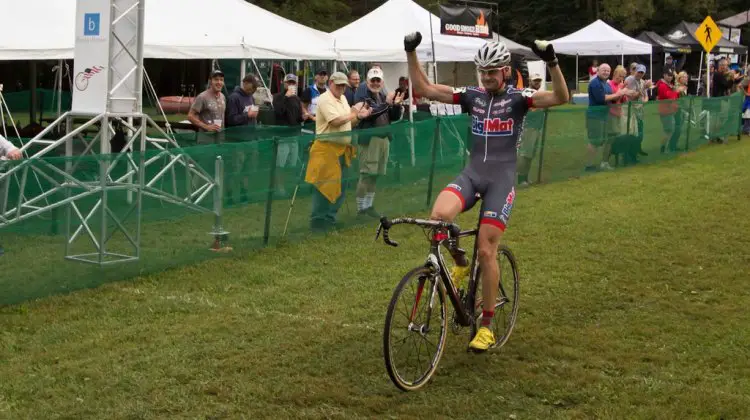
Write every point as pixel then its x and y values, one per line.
pixel 396 18
pixel 175 29
pixel 379 36
pixel 598 38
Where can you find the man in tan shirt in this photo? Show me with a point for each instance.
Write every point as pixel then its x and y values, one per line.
pixel 331 151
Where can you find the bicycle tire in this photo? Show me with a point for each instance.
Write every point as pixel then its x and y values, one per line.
pixel 391 366
pixel 505 252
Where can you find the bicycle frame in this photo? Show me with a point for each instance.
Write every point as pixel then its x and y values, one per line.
pixel 442 232
pixel 436 261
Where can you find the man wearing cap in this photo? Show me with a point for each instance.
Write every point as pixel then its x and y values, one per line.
pixel 241 109
pixel 208 109
pixel 288 111
pixel 331 152
pixel 374 149
pixel 533 125
pixel 639 86
pixel 241 112
pixel 311 95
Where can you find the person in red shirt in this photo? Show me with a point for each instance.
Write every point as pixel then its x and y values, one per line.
pixel 667 95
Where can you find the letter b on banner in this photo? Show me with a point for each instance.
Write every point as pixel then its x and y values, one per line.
pixel 91 24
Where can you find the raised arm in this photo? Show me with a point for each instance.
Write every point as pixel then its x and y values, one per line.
pixel 420 83
pixel 559 94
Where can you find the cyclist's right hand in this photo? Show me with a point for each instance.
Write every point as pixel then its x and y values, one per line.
pixel 412 40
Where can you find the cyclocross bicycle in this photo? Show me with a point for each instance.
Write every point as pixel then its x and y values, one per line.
pixel 420 330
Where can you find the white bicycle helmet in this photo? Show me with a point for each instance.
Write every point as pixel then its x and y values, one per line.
pixel 492 54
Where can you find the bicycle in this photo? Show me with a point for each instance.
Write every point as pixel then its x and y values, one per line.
pixel 467 308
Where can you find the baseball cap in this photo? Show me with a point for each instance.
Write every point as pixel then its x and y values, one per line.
pixel 217 72
pixel 339 78
pixel 375 73
pixel 322 72
pixel 291 77
pixel 536 76
pixel 640 68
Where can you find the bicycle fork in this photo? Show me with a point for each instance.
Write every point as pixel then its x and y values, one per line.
pixel 425 327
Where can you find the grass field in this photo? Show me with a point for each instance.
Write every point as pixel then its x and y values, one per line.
pixel 633 305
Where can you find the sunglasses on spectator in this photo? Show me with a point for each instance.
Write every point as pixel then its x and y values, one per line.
pixel 376 79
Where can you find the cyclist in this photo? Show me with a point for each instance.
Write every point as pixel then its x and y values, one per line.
pixel 497 115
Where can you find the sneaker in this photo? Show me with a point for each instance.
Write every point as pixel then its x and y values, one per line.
pixel 459 274
pixel 483 340
pixel 605 167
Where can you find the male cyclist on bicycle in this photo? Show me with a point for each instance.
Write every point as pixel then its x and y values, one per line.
pixel 497 116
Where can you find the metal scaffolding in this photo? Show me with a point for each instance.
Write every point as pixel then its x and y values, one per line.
pixel 138 169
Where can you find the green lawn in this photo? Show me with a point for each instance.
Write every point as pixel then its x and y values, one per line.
pixel 633 305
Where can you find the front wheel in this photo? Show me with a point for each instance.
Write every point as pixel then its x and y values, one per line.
pixel 506 303
pixel 416 322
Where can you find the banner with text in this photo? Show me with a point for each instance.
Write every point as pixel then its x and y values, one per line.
pixel 465 21
pixel 91 56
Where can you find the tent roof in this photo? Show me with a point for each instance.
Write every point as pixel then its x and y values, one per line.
pixel 742 18
pixel 178 29
pixel 662 44
pixel 598 38
pixel 683 32
pixel 379 36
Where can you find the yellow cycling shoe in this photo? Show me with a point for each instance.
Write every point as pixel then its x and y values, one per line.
pixel 459 273
pixel 483 340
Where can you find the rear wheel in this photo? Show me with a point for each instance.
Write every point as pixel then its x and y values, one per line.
pixel 506 304
pixel 416 325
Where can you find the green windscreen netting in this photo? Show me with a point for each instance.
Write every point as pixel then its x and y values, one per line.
pixel 262 168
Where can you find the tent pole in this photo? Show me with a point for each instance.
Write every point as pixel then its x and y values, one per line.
pixel 432 44
pixel 708 77
pixel 700 72
pixel 243 69
pixel 59 87
pixel 577 87
pixel 651 66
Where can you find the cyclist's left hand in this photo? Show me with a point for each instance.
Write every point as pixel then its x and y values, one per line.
pixel 544 50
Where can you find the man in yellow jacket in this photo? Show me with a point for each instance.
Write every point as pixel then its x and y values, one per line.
pixel 331 151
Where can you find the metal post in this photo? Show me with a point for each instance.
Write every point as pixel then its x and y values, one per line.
pixel 220 235
pixel 541 150
pixel 689 122
pixel 271 185
pixel 630 108
pixel 104 158
pixel 59 87
pixel 434 156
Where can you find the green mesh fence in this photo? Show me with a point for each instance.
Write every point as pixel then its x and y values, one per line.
pixel 264 167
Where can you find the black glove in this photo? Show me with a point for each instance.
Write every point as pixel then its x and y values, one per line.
pixel 545 51
pixel 411 41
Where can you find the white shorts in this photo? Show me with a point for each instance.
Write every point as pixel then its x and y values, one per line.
pixel 288 154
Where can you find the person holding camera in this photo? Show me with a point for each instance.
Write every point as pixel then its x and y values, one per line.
pixel 374 149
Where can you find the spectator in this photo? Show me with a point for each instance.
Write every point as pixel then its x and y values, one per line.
pixel 593 70
pixel 671 120
pixel 241 112
pixel 362 89
pixel 620 127
pixel 241 108
pixel 7 151
pixel 639 93
pixel 532 132
pixel 745 85
pixel 352 87
pixel 288 111
pixel 600 95
pixel 374 149
pixel 331 154
pixel 311 95
pixel 722 83
pixel 208 109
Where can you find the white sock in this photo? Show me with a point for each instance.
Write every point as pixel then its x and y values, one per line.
pixel 361 203
pixel 369 197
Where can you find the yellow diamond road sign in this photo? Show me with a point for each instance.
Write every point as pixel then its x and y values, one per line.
pixel 708 34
